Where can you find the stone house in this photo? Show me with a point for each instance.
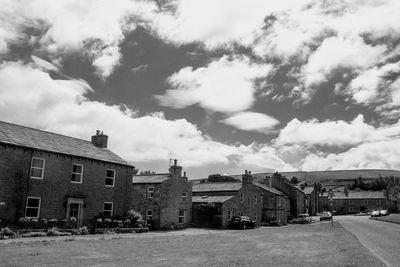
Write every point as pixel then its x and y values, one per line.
pixel 48 175
pixel 296 196
pixel 351 202
pixel 311 199
pixel 215 204
pixel 163 199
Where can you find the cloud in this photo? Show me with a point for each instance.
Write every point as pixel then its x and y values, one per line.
pixel 369 155
pixel 94 28
pixel 334 133
pixel 252 121
pixel 225 85
pixel 39 101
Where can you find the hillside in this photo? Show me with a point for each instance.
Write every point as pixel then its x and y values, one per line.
pixel 333 177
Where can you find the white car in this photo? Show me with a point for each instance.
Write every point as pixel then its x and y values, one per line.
pixel 375 213
pixel 384 212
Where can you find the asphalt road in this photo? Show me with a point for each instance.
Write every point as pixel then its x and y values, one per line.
pixel 381 238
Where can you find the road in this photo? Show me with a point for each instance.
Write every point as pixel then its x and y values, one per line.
pixel 381 238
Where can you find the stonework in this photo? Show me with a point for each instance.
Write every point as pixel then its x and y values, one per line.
pixel 171 202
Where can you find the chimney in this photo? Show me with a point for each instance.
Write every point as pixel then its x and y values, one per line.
pixel 100 139
pixel 176 170
pixel 247 178
pixel 268 181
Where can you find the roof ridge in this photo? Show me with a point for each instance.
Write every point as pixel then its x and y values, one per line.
pixel 44 131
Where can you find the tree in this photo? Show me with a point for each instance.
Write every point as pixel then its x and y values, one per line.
pixel 294 180
pixel 215 178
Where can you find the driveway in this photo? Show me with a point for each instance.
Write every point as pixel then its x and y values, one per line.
pixel 381 238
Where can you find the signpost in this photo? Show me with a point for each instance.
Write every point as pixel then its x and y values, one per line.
pixel 331 201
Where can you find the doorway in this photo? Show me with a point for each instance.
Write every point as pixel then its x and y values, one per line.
pixel 75 209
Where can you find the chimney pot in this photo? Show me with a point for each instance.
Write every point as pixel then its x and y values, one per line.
pixel 175 162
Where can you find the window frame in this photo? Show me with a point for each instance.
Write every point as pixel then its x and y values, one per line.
pixel 112 208
pixel 38 208
pixel 106 177
pixel 279 202
pixel 183 217
pixel 81 174
pixel 255 199
pixel 242 198
pixel 149 216
pixel 150 193
pixel 184 196
pixel 42 169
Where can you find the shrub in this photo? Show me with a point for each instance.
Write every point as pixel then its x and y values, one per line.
pixel 83 230
pixel 34 234
pixel 6 232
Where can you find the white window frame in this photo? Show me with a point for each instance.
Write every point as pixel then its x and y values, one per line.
pixel 149 215
pixel 112 208
pixel 113 178
pixel 77 173
pixel 183 217
pixel 26 206
pixel 255 199
pixel 150 193
pixel 42 169
pixel 241 198
pixel 184 196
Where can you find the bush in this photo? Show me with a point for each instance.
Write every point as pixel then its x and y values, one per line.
pixel 83 230
pixel 6 232
pixel 34 234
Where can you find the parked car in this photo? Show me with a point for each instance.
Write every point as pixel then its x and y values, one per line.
pixel 375 213
pixel 384 212
pixel 304 218
pixel 325 216
pixel 242 222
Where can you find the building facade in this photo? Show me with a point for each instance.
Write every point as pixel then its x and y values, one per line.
pixel 52 176
pixel 352 202
pixel 164 200
pixel 215 204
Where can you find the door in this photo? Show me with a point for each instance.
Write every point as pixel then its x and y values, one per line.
pixel 75 209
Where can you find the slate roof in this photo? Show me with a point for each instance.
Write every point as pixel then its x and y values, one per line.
pixel 357 195
pixel 307 190
pixel 269 189
pixel 210 199
pixel 23 136
pixel 213 187
pixel 150 179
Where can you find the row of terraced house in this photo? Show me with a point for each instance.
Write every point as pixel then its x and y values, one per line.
pixel 48 175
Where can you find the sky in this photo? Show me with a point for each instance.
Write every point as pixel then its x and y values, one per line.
pixel 222 86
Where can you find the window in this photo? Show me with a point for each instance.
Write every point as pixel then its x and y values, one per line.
pixel 32 207
pixel 108 209
pixel 150 192
pixel 110 178
pixel 229 215
pixel 149 215
pixel 181 217
pixel 241 213
pixel 241 198
pixel 184 196
pixel 279 201
pixel 77 171
pixel 37 168
pixel 255 199
pixel 378 202
pixel 366 202
pixel 351 209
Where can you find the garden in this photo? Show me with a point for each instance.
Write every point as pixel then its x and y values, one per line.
pixel 131 222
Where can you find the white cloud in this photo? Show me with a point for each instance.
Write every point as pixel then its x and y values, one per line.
pixel 252 121
pixel 334 133
pixel 369 155
pixel 95 26
pixel 339 52
pixel 224 85
pixel 61 106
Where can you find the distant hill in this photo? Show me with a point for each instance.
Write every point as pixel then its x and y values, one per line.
pixel 334 177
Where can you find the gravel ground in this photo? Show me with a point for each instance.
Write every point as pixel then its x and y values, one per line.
pixel 317 244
